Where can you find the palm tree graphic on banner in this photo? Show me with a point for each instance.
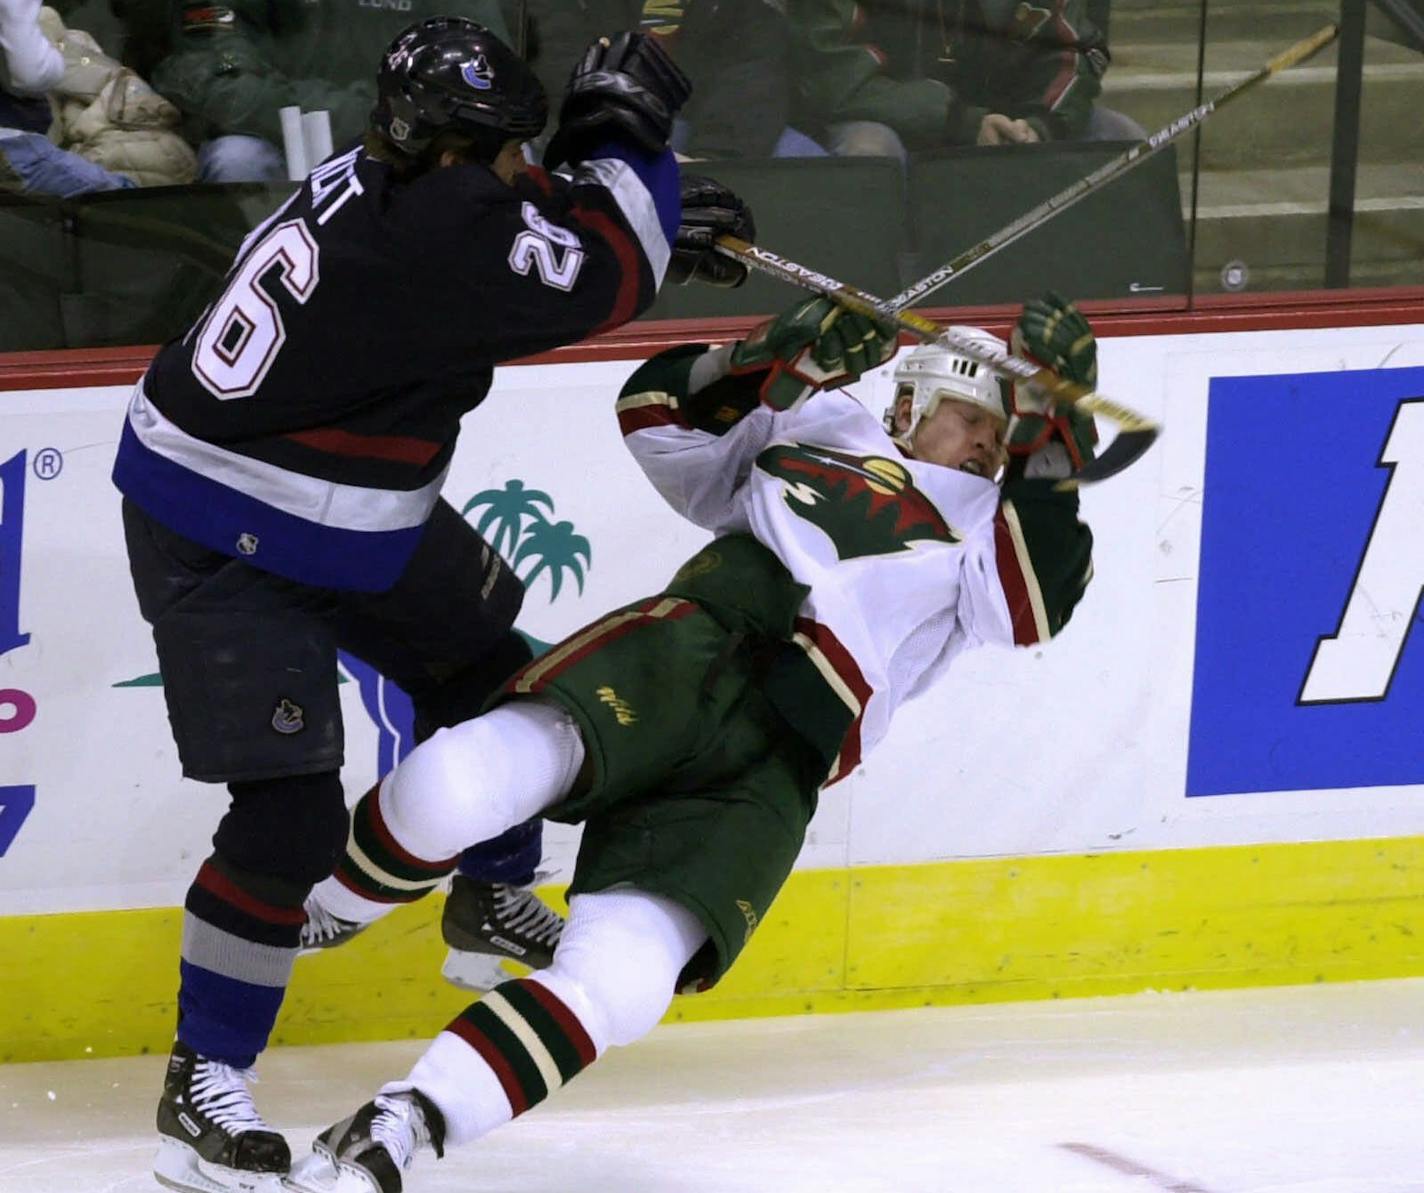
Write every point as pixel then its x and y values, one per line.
pixel 512 520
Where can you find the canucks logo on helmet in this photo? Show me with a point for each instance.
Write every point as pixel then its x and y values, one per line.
pixel 477 73
pixel 450 74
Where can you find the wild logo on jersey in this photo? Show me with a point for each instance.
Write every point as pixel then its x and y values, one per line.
pixel 867 505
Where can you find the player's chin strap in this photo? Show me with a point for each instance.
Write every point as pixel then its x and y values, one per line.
pixel 1135 432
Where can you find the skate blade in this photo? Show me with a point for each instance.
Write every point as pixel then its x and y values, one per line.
pixel 316 1174
pixel 178 1166
pixel 479 972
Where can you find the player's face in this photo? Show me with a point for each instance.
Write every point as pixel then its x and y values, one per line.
pixel 961 435
pixel 509 164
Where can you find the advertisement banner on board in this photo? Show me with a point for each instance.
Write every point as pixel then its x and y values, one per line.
pixel 1309 665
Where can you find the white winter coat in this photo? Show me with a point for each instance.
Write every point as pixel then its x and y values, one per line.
pixel 104 112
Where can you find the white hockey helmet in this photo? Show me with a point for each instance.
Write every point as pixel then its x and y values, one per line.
pixel 936 371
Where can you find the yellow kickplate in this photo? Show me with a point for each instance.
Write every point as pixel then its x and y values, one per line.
pixel 104 983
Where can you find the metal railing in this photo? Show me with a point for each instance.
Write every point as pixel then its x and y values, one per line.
pixel 1345 142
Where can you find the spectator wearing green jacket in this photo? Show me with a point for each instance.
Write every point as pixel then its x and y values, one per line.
pixel 236 63
pixel 885 77
pixel 741 100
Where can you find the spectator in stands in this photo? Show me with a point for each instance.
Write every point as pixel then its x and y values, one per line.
pixel 72 120
pixel 557 31
pixel 236 63
pixel 144 33
pixel 29 67
pixel 741 101
pixel 881 79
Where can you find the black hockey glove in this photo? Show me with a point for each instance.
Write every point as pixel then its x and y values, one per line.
pixel 625 87
pixel 709 210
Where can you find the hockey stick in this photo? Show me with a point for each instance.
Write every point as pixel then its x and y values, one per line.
pixel 1109 170
pixel 1135 433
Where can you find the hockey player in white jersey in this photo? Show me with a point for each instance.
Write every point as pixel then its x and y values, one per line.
pixel 852 560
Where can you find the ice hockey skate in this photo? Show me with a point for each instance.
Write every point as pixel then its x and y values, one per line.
pixel 368 1151
pixel 488 923
pixel 211 1138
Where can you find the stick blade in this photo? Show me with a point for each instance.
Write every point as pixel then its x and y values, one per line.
pixel 1126 449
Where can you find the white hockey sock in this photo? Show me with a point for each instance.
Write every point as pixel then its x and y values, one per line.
pixel 464 785
pixel 613 977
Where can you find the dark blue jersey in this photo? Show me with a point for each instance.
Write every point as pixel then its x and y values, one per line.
pixel 306 421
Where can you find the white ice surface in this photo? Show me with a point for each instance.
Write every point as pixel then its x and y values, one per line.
pixel 1300 1090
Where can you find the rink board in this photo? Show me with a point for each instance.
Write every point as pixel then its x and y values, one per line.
pixel 1145 802
pixel 872 938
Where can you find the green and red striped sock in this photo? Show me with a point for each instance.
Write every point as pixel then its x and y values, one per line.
pixel 376 867
pixel 529 1037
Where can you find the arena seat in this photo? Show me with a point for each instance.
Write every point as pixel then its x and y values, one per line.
pixel 37 274
pixel 148 261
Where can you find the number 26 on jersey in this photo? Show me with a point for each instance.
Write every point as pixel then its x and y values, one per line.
pixel 552 252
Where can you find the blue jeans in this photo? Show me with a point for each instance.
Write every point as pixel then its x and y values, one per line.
pixel 791 143
pixel 42 168
pixel 240 158
pixel 865 138
pixel 870 138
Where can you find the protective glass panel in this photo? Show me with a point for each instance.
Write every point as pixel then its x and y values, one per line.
pixel 1337 133
pixel 877 142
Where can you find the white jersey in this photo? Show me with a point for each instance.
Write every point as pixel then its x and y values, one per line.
pixel 908 563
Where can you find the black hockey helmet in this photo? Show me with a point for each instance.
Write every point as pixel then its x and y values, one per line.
pixel 449 74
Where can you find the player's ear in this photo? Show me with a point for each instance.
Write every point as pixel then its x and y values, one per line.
pixel 902 413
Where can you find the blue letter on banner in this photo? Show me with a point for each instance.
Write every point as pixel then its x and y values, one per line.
pixel 16 803
pixel 1309 669
pixel 12 513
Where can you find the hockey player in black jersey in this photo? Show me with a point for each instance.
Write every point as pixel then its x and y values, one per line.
pixel 281 467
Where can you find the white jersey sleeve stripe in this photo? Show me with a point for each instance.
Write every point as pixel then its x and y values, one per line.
pixel 635 201
pixel 325 503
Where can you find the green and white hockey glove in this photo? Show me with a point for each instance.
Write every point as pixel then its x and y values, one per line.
pixel 1045 439
pixel 1053 331
pixel 815 345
